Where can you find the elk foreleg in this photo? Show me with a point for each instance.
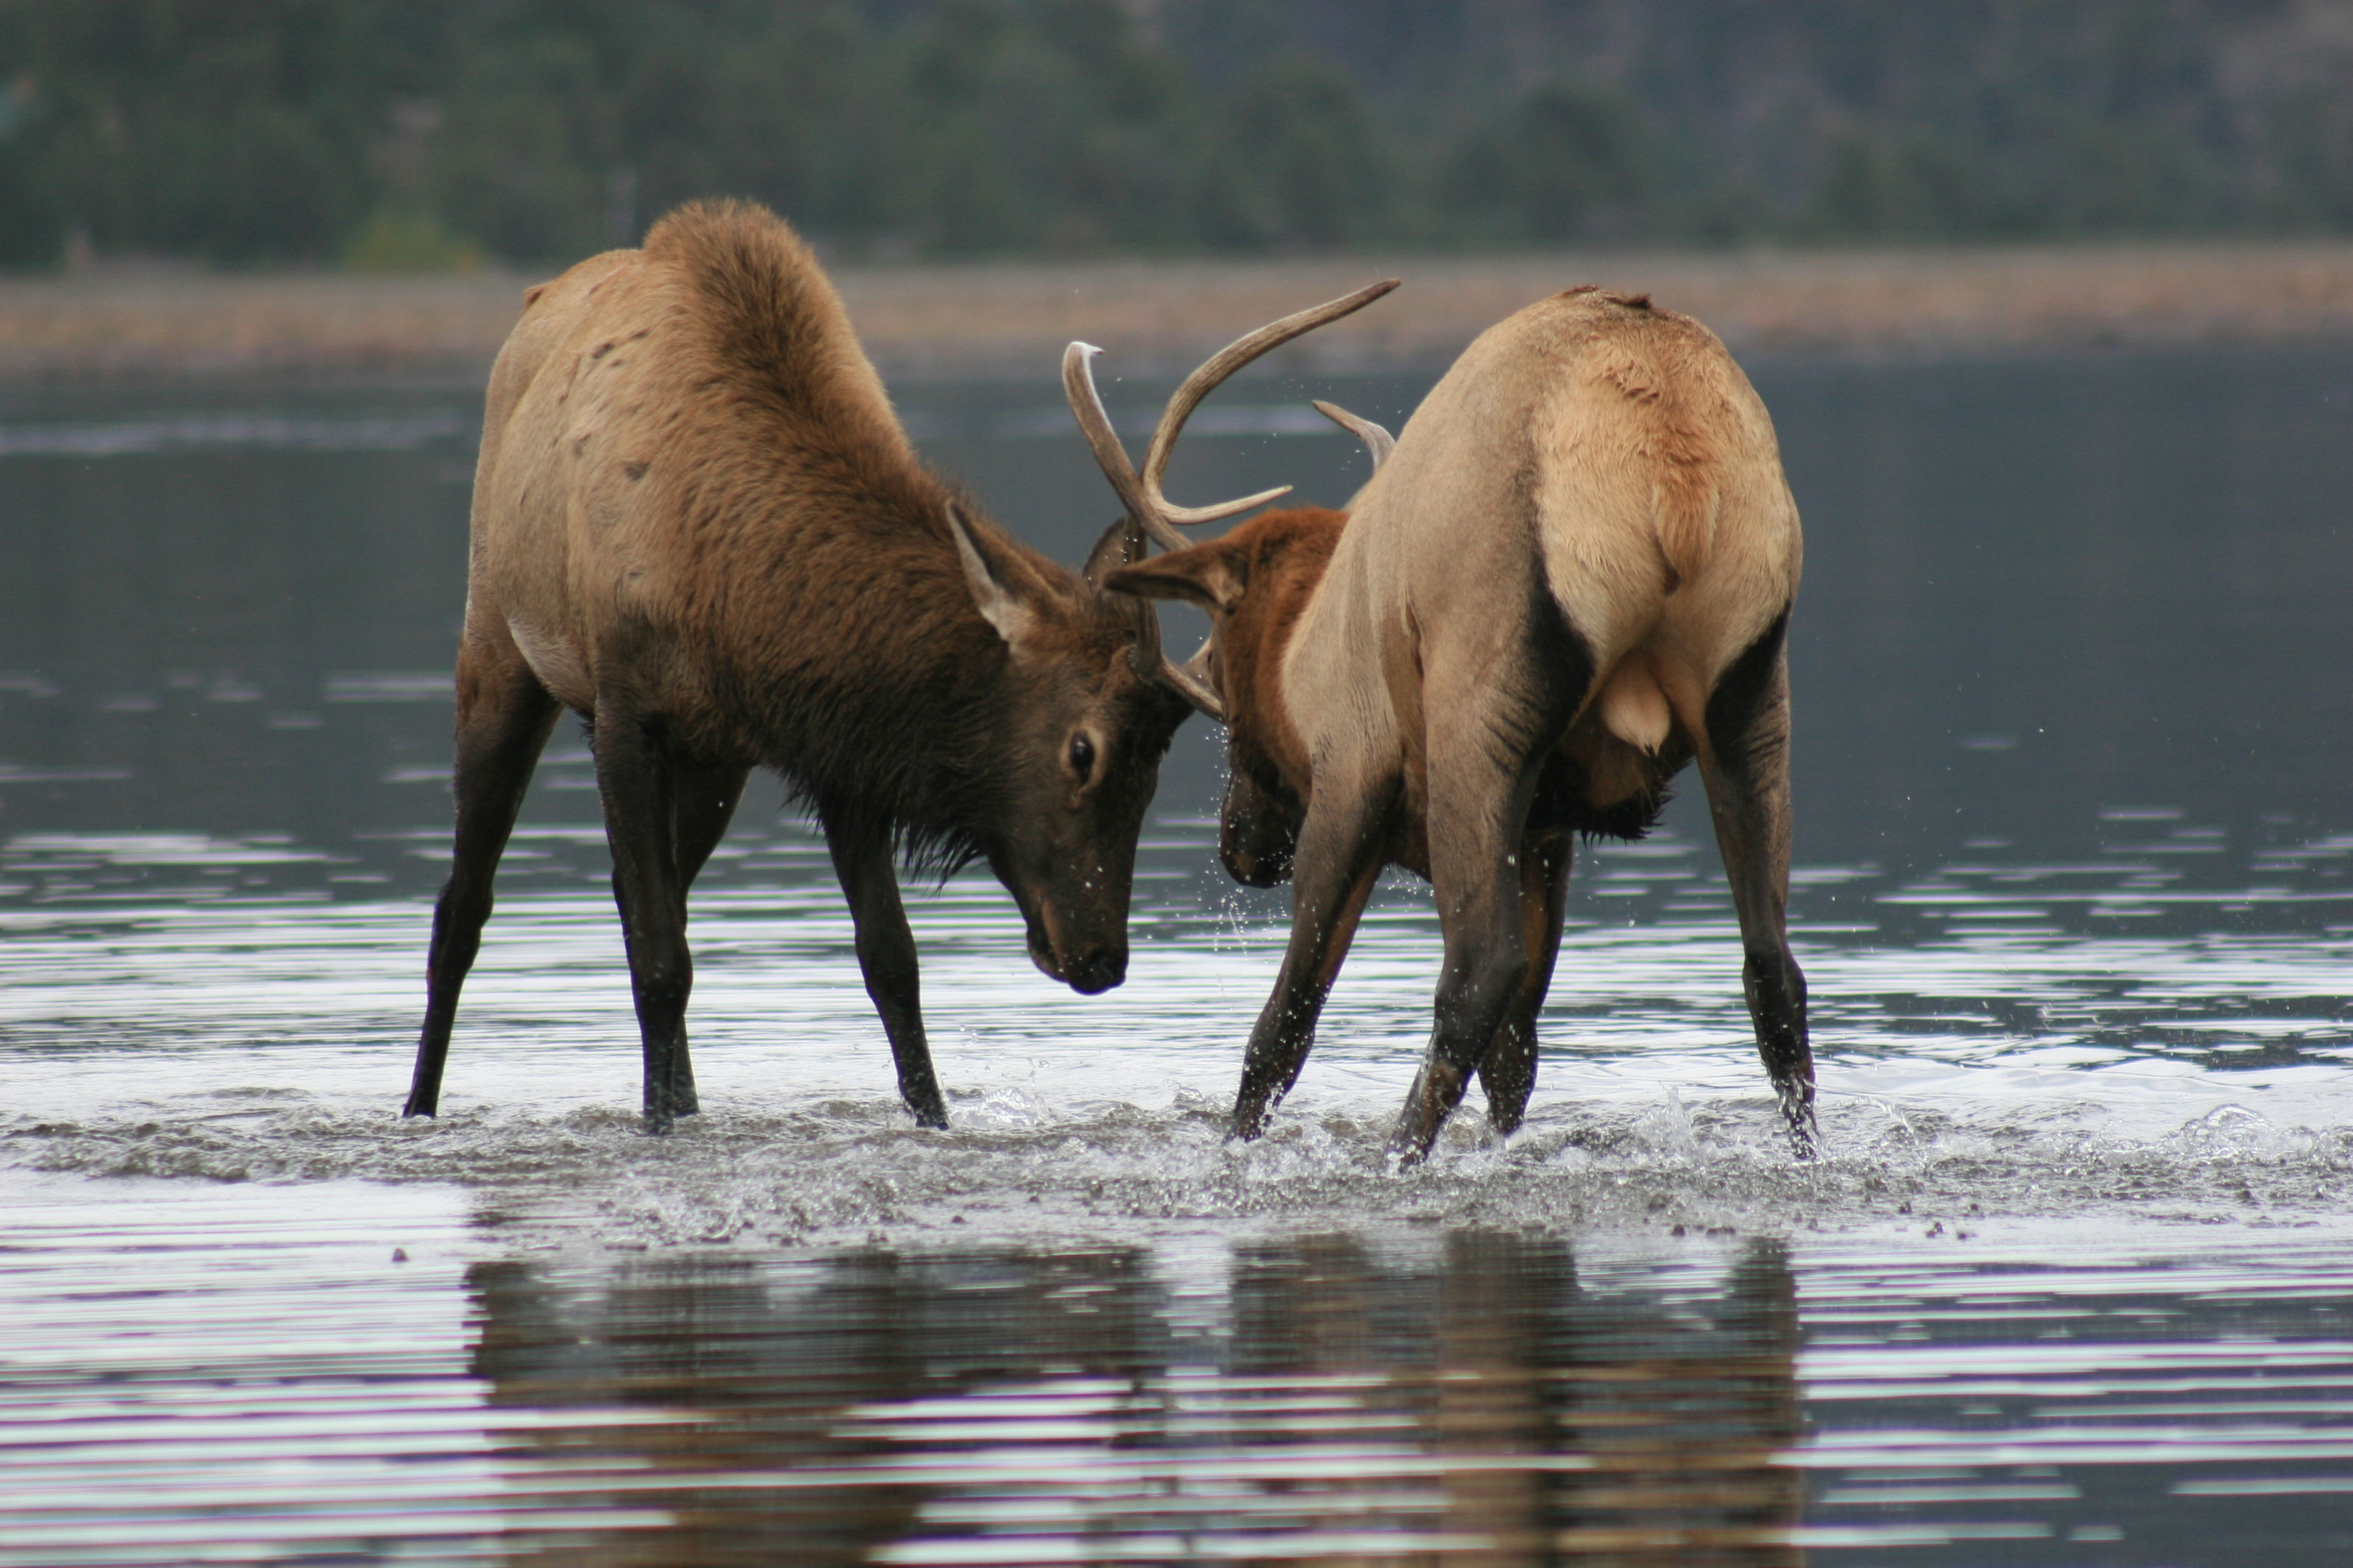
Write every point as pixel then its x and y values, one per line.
pixel 1338 863
pixel 636 778
pixel 1744 762
pixel 886 957
pixel 1508 1072
pixel 503 719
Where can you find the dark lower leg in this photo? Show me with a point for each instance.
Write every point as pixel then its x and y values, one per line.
pixel 1285 1032
pixel 1746 767
pixel 503 722
pixel 1486 745
pixel 1486 964
pixel 636 780
pixel 1776 992
pixel 886 957
pixel 1508 1073
pixel 1480 872
pixel 1336 865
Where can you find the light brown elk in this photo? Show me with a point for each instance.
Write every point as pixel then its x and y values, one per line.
pixel 698 525
pixel 1571 577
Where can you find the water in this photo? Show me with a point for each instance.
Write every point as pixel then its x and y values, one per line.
pixel 2070 1288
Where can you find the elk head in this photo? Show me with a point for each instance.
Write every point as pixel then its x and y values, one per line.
pixel 1140 493
pixel 1077 742
pixel 1090 727
pixel 1253 582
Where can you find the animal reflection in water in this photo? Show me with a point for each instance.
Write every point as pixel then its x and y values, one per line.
pixel 1473 1403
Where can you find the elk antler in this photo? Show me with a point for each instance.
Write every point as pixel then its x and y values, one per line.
pixel 1123 544
pixel 1141 495
pixel 1376 439
pixel 1190 679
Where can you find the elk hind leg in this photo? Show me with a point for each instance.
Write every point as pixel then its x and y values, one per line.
pixel 1478 811
pixel 1744 756
pixel 504 716
pixel 1487 738
pixel 639 780
pixel 1507 1074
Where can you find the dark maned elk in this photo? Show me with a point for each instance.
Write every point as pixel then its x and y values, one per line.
pixel 1571 575
pixel 698 525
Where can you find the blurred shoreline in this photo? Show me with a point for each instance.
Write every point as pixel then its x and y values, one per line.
pixel 987 320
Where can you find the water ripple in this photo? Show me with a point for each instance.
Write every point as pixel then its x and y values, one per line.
pixel 1988 1075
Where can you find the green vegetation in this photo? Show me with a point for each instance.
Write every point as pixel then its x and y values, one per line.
pixel 432 133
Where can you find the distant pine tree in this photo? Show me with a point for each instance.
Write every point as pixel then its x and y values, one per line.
pixel 277 131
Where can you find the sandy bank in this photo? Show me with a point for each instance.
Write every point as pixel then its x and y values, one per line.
pixel 1000 318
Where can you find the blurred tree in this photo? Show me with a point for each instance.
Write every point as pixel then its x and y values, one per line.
pixel 293 131
pixel 31 234
pixel 1566 163
pixel 231 131
pixel 1910 188
pixel 1294 162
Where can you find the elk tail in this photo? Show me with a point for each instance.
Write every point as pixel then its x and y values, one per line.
pixel 1685 503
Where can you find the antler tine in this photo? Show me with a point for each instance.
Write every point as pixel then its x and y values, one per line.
pixel 1376 439
pixel 1191 679
pixel 1086 404
pixel 1204 380
pixel 1146 657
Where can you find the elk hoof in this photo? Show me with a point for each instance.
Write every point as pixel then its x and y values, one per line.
pixel 1437 1090
pixel 1805 1134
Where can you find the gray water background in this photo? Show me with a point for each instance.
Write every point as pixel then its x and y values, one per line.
pixel 2073 724
pixel 2036 592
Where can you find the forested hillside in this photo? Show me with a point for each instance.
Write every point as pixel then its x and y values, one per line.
pixel 426 133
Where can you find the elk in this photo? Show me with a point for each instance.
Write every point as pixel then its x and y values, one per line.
pixel 698 525
pixel 1571 575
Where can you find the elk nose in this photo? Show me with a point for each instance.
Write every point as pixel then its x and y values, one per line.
pixel 1099 971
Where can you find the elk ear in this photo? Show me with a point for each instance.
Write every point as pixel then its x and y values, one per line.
pixel 989 573
pixel 1209 576
pixel 1122 544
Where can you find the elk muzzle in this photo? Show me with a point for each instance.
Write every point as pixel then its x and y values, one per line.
pixel 1068 945
pixel 1087 969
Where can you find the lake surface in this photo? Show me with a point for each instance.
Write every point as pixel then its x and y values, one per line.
pixel 2073 1285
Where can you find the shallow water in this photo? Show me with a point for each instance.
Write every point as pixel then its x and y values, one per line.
pixel 2070 1285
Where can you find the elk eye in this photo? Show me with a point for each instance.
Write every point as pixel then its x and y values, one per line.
pixel 1083 757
